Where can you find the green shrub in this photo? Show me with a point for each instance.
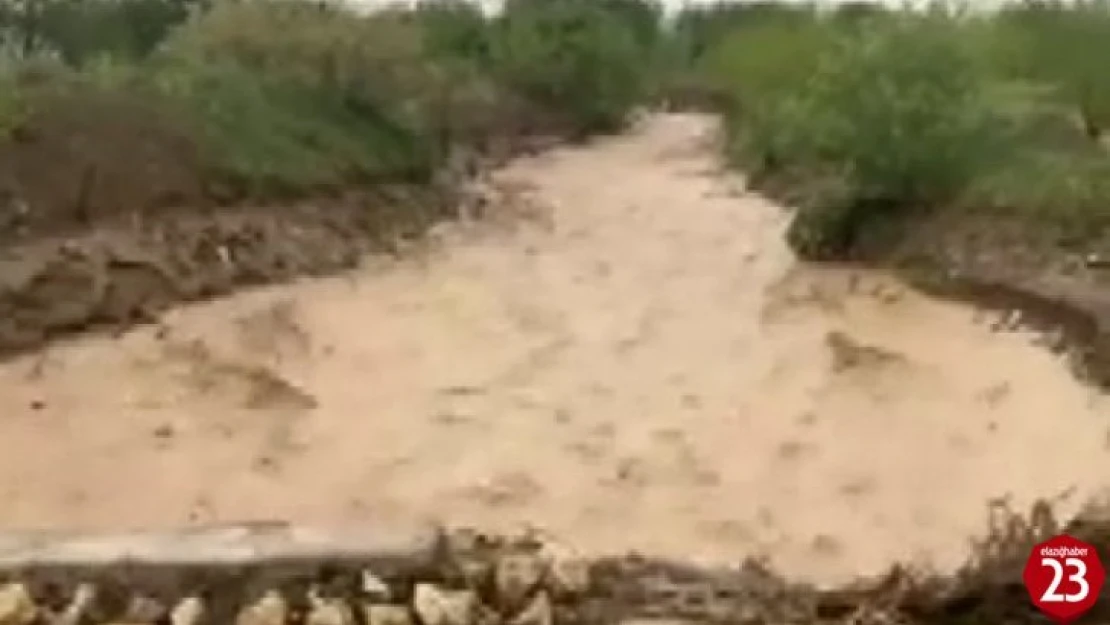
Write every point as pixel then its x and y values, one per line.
pixel 1059 44
pixel 1070 189
pixel 81 30
pixel 265 137
pixel 572 57
pixel 454 30
pixel 703 27
pixel 14 107
pixel 755 70
pixel 291 96
pixel 911 127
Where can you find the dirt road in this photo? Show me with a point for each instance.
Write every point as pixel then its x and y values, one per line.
pixel 640 365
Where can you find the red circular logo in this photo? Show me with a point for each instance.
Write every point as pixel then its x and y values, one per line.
pixel 1064 577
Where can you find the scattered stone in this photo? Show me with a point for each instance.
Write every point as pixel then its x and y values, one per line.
pixel 74 613
pixel 16 605
pixel 270 609
pixel 568 572
pixel 1096 261
pixel 189 611
pixel 373 586
pixel 473 554
pixel 324 611
pixel 516 575
pixel 145 610
pixel 435 606
pixel 164 431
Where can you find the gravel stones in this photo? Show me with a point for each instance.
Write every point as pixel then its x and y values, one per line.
pixel 16 605
pixel 466 579
pixel 516 575
pixel 437 606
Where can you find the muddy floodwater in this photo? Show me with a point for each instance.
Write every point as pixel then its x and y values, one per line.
pixel 634 361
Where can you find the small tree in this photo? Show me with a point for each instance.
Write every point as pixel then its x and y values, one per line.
pixel 80 30
pixel 574 57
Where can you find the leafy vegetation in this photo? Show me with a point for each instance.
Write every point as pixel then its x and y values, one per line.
pixel 291 97
pixel 865 112
pixel 868 113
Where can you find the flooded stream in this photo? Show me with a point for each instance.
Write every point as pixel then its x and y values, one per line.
pixel 639 364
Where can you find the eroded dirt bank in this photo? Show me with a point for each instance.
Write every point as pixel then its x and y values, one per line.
pixel 635 362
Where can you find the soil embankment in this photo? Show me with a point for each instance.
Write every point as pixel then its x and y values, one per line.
pixel 632 359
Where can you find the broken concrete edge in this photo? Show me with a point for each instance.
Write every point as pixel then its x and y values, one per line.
pixel 229 544
pixel 237 568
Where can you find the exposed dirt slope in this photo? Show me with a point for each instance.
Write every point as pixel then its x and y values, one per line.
pixel 633 360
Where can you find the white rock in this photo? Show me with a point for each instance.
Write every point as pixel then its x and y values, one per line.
pixel 188 612
pixel 328 611
pixel 516 575
pixel 373 585
pixel 270 609
pixel 145 610
pixel 16 605
pixel 83 597
pixel 444 607
pixel 569 572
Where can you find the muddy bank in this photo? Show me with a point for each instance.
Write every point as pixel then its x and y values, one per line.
pixel 1073 315
pixel 1036 274
pixel 110 212
pixel 122 272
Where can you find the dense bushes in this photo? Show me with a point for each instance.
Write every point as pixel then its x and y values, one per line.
pixel 865 111
pixel 575 57
pixel 289 97
pixel 82 30
pixel 869 112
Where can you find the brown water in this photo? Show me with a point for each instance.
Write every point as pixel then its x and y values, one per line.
pixel 641 365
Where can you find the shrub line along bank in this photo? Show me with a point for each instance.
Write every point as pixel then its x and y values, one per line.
pixel 253 100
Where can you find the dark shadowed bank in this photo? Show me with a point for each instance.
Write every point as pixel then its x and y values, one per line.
pixel 159 151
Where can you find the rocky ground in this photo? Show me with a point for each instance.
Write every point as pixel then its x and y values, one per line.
pixel 464 577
